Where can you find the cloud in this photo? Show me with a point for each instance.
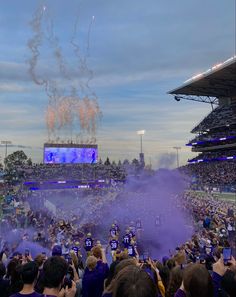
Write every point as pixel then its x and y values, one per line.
pixel 7 87
pixel 13 71
pixel 139 50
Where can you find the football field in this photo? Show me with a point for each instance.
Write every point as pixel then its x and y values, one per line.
pixel 222 196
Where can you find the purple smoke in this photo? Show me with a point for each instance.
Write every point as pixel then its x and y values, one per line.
pixel 154 200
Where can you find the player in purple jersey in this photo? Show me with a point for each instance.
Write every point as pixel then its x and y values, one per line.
pixel 113 246
pixel 113 231
pixel 75 249
pixel 131 250
pixel 132 233
pixel 117 227
pixel 88 243
pixel 126 239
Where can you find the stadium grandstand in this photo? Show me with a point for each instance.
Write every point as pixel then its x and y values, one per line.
pixel 215 136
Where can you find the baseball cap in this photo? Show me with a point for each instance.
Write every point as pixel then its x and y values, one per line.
pixel 56 251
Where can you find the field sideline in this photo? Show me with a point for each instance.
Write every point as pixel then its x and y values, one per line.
pixel 222 196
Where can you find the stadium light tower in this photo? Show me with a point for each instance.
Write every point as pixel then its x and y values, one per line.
pixel 141 133
pixel 6 142
pixel 141 155
pixel 177 148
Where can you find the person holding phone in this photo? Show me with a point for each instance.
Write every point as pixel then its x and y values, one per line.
pixel 227 254
pixel 220 269
pixel 54 272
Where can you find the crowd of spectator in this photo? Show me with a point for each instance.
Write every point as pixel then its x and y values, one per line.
pixel 40 172
pixel 71 267
pixel 215 155
pixel 220 174
pixel 212 135
pixel 220 116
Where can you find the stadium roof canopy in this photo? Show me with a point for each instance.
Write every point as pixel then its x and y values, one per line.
pixel 217 82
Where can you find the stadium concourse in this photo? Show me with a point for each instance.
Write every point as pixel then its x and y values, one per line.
pixel 58 235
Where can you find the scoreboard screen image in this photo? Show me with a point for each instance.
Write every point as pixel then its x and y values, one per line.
pixel 70 155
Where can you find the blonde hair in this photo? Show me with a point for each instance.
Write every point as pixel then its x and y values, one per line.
pixel 91 262
pixel 97 252
pixel 74 259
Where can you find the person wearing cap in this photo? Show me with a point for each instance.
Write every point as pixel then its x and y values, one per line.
pixel 16 255
pixel 28 274
pixel 57 250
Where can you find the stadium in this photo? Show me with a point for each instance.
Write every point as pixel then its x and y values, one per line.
pixel 74 225
pixel 215 135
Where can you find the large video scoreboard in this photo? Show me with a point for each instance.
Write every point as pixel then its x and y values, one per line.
pixel 70 153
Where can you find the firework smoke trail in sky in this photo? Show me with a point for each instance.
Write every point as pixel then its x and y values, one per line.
pixel 34 43
pixel 90 72
pixel 88 108
pixel 77 52
pixel 69 104
pixel 82 58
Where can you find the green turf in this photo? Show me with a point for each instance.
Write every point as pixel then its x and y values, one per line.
pixel 222 196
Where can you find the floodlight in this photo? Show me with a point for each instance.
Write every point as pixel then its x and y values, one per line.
pixel 141 132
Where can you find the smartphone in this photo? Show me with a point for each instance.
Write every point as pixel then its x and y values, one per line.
pixel 67 281
pixel 227 253
pixel 145 256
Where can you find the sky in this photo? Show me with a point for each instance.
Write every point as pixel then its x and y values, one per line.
pixel 138 51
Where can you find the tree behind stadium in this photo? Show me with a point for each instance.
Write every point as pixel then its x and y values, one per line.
pixel 13 166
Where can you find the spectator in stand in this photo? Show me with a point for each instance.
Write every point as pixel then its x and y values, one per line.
pixel 40 260
pixel 133 281
pixel 176 278
pixel 15 282
pixel 115 268
pixel 196 282
pixel 229 283
pixel 102 266
pixel 28 273
pixel 57 250
pixel 224 278
pixel 4 284
pixel 54 272
pixel 93 279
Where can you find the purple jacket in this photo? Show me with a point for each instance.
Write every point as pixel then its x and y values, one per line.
pixel 216 278
pixel 180 293
pixel 93 281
